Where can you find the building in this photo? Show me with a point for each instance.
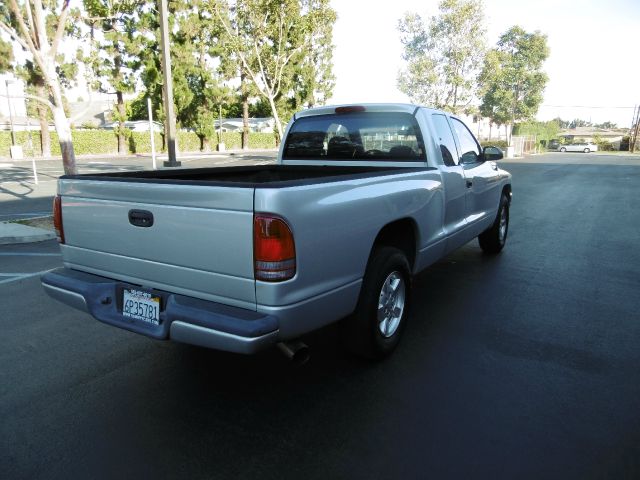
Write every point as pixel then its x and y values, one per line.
pixel 591 134
pixel 261 125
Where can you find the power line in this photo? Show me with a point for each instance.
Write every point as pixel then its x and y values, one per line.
pixel 582 106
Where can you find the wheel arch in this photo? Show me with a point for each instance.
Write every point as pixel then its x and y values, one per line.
pixel 506 190
pixel 401 234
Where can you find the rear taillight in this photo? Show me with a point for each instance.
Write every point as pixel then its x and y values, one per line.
pixel 57 218
pixel 274 251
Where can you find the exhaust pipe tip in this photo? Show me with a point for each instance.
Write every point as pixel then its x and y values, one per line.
pixel 296 351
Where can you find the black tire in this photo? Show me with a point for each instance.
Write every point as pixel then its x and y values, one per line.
pixel 364 334
pixel 563 149
pixel 586 150
pixel 494 238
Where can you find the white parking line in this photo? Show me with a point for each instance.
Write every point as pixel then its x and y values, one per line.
pixel 22 276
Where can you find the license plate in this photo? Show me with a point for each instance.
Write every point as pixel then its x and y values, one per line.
pixel 141 305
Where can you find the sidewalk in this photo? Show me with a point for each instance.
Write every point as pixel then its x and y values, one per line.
pixel 12 233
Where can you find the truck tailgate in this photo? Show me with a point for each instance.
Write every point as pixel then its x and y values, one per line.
pixel 200 243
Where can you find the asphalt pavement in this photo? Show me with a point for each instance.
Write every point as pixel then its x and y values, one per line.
pixel 523 365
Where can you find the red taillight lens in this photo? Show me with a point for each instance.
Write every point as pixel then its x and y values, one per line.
pixel 57 218
pixel 274 251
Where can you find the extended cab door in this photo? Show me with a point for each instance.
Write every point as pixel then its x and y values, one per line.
pixel 481 177
pixel 455 211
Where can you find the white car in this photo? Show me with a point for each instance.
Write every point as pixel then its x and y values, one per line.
pixel 579 147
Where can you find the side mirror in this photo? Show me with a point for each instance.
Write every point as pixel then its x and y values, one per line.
pixel 492 153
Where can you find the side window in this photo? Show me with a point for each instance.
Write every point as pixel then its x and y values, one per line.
pixel 468 144
pixel 445 138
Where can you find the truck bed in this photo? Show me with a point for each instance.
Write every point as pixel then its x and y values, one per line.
pixel 271 176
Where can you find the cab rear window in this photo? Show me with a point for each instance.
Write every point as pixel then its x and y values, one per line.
pixel 356 136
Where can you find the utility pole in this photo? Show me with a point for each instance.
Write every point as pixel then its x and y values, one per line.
pixel 13 133
pixel 168 85
pixel 151 133
pixel 633 133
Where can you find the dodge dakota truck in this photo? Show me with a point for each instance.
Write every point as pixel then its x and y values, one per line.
pixel 362 197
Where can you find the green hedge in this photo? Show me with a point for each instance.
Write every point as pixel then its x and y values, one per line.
pixel 140 142
pixel 22 138
pixel 494 143
pixel 105 142
pixel 89 141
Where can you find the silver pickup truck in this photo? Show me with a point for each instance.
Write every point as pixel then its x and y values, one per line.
pixel 362 197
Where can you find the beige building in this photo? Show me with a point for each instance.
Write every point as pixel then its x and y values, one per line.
pixel 590 134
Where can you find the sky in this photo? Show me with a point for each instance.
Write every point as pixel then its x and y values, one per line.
pixel 590 62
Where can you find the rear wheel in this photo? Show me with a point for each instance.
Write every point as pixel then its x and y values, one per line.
pixel 374 330
pixel 494 238
pixel 586 150
pixel 563 149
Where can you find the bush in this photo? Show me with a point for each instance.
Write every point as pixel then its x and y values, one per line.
pixel 606 147
pixel 89 142
pixel 494 143
pixel 262 140
pixel 22 139
pixel 105 142
pixel 140 142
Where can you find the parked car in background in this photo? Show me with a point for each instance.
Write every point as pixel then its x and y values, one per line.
pixel 579 147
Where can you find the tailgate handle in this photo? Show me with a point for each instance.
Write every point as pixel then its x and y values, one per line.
pixel 140 218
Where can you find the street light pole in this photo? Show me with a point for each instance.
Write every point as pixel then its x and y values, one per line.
pixel 13 133
pixel 168 85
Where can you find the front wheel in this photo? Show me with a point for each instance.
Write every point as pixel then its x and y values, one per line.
pixel 494 238
pixel 374 330
pixel 563 149
pixel 586 150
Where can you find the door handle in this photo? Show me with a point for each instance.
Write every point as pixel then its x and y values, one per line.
pixel 469 184
pixel 141 218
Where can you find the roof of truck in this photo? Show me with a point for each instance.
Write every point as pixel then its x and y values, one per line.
pixel 368 107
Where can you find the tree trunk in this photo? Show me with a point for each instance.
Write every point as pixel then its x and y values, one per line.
pixel 276 119
pixel 60 120
pixel 245 123
pixel 66 142
pixel 205 145
pixel 245 112
pixel 122 141
pixel 43 116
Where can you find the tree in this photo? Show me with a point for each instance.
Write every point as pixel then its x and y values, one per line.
pixel 115 46
pixel 26 25
pixel 443 55
pixel 270 40
pixel 6 56
pixel 543 131
pixel 606 125
pixel 512 80
pixel 578 122
pixel 34 79
pixel 200 93
pixel 196 72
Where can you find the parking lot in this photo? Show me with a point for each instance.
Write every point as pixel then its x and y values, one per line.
pixel 523 365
